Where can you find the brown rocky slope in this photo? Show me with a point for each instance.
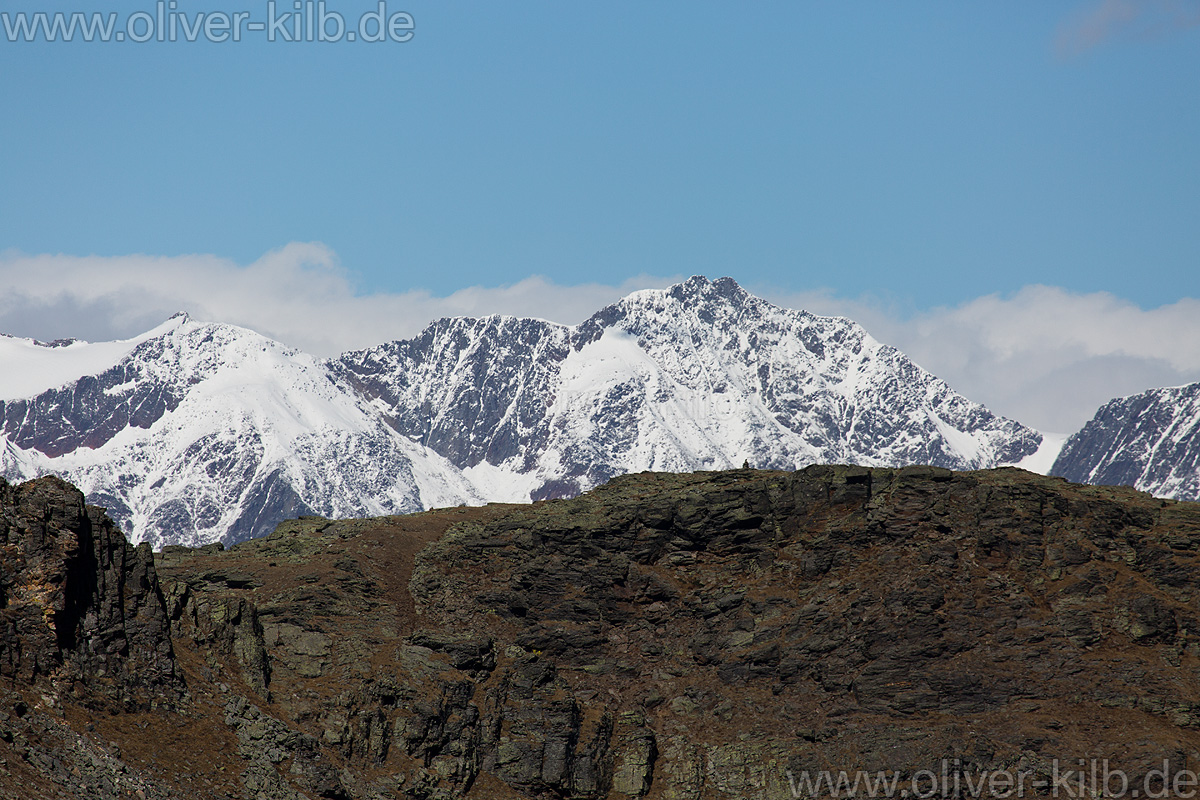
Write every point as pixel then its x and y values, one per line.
pixel 665 636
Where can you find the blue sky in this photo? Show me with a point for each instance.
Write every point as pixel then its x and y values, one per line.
pixel 1009 192
pixel 923 153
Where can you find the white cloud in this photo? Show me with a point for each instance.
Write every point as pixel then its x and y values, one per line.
pixel 299 295
pixel 1044 356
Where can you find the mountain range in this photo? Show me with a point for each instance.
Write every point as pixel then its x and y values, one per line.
pixel 199 432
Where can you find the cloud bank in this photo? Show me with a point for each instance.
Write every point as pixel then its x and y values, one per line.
pixel 1044 356
pixel 299 295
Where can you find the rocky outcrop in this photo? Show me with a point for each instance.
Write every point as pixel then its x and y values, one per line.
pixel 704 636
pixel 747 605
pixel 78 604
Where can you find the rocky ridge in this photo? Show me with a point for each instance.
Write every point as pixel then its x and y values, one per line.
pixel 707 635
pixel 79 604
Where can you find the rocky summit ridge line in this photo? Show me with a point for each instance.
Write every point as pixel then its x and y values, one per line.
pixel 200 432
pixel 707 636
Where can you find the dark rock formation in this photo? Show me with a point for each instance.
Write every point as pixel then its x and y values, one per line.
pixel 712 635
pixel 78 604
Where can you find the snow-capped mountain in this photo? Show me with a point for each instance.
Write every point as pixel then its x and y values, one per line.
pixel 195 432
pixel 698 376
pixel 199 432
pixel 1150 441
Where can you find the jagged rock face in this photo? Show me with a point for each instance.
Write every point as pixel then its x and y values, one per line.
pixel 913 615
pixel 470 389
pixel 700 376
pixel 695 636
pixel 1150 441
pixel 77 602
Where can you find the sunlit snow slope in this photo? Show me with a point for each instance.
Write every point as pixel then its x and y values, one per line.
pixel 205 432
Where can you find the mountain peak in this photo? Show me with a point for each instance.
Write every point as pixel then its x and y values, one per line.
pixel 699 289
pixel 699 285
pixel 1150 441
pixel 693 285
pixel 708 300
pixel 694 289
